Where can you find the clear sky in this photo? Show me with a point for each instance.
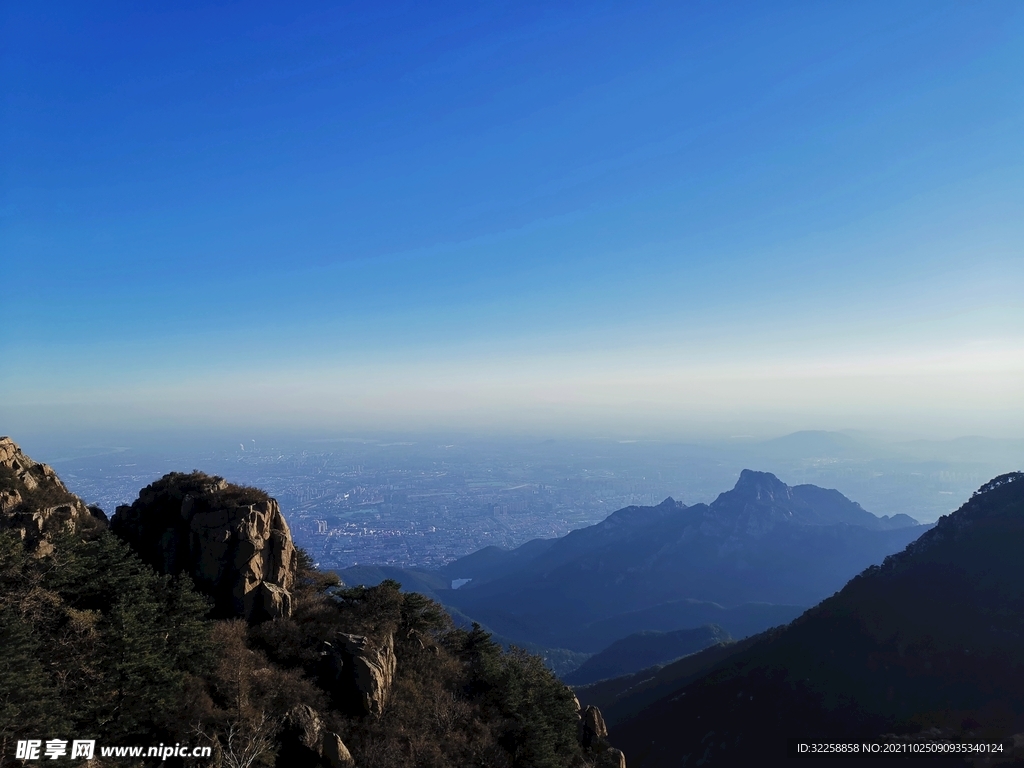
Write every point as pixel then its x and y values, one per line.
pixel 633 218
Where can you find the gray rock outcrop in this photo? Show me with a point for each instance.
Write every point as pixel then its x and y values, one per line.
pixel 593 735
pixel 35 503
pixel 373 665
pixel 232 541
pixel 360 671
pixel 592 727
pixel 306 742
pixel 335 753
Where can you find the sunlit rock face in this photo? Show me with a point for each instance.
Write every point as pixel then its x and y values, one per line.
pixel 35 503
pixel 360 672
pixel 592 727
pixel 593 736
pixel 305 741
pixel 232 541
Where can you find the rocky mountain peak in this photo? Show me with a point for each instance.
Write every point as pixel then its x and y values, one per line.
pixel 757 502
pixel 231 540
pixel 762 487
pixel 35 503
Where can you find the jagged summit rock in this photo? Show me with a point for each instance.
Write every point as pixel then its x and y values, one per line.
pixel 35 503
pixel 764 486
pixel 231 540
pixel 759 501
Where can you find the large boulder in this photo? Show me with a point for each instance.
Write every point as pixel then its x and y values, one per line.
pixel 35 503
pixel 231 540
pixel 335 753
pixel 306 743
pixel 593 730
pixel 360 671
pixel 373 665
pixel 593 735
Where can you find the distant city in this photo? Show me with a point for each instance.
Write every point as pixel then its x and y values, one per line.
pixel 398 504
pixel 423 503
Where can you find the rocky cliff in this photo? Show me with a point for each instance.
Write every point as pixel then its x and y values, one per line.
pixel 235 545
pixel 231 540
pixel 36 504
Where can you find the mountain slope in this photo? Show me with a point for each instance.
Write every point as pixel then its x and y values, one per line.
pixel 739 620
pixel 934 637
pixel 645 649
pixel 492 562
pixel 760 542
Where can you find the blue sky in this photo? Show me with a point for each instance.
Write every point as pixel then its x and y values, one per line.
pixel 632 218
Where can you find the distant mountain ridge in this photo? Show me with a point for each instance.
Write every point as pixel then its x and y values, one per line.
pixel 738 620
pixel 927 645
pixel 650 568
pixel 645 649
